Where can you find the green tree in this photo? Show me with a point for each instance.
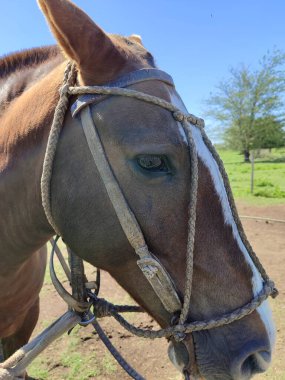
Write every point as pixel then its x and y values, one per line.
pixel 268 133
pixel 249 102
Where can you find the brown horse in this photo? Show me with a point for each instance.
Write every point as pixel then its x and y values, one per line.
pixel 225 277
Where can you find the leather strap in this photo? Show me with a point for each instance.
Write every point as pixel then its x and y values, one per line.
pixel 151 268
pixel 75 304
pixel 126 80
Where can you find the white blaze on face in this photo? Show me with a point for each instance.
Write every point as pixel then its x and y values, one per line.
pixel 206 156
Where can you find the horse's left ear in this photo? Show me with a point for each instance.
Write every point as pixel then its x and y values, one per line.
pixel 136 38
pixel 82 40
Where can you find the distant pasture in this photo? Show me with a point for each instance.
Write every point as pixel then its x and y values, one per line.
pixel 269 176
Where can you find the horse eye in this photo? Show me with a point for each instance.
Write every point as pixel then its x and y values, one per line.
pixel 153 163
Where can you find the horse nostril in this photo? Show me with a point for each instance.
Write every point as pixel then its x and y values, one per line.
pixel 178 354
pixel 255 363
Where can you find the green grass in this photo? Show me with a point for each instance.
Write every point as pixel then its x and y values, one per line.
pixel 108 364
pixel 269 183
pixel 71 361
pixel 39 369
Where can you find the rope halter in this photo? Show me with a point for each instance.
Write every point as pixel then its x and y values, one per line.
pixel 150 266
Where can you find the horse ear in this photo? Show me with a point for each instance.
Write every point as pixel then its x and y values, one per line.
pixel 82 40
pixel 137 38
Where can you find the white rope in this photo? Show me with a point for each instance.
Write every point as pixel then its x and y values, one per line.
pixel 262 218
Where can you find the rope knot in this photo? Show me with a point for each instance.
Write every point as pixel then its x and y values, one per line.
pixel 179 116
pixel 6 374
pixel 196 121
pixel 273 291
pixel 9 374
pixel 179 336
pixel 179 333
pixel 64 90
pixel 102 308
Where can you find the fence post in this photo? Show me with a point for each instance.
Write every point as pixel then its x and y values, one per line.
pixel 252 172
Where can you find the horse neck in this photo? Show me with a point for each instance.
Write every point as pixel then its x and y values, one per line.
pixel 24 131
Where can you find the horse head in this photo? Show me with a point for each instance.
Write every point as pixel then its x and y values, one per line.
pixel 148 152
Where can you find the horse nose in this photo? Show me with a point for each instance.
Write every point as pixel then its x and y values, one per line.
pixel 250 364
pixel 224 353
pixel 233 353
pixel 178 355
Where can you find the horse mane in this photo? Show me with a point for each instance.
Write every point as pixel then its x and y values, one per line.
pixel 11 63
pixel 20 70
pixel 17 61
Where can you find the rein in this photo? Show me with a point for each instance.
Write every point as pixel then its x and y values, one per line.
pixel 85 294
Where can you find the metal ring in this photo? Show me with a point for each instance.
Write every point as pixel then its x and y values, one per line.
pixel 85 322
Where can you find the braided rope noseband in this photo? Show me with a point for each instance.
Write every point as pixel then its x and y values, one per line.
pixel 150 266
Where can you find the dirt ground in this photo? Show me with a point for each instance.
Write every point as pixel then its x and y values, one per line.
pixel 150 357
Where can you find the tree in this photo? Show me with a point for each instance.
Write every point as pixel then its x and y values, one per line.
pixel 249 105
pixel 268 133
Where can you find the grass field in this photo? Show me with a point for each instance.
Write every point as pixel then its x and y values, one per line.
pixel 269 183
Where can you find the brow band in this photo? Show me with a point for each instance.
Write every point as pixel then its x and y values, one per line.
pixel 126 80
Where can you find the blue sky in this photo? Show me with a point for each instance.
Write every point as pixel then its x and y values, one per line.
pixel 196 41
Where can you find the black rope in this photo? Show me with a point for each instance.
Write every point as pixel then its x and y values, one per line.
pixel 1 352
pixel 98 281
pixel 103 308
pixel 186 375
pixel 113 351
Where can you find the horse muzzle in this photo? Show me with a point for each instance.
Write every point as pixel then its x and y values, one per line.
pixel 213 359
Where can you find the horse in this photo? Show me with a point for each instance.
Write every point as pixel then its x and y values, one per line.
pixel 148 152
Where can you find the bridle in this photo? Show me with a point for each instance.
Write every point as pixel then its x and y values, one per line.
pixel 150 266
